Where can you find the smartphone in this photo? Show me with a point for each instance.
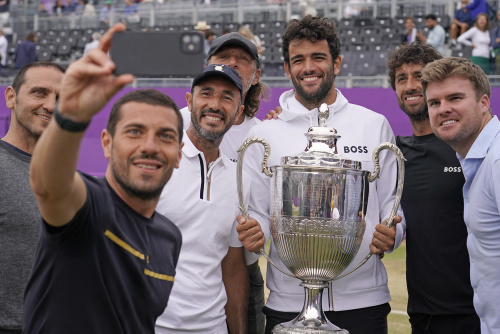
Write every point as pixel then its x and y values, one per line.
pixel 174 54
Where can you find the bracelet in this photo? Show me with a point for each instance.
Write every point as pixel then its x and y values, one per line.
pixel 67 124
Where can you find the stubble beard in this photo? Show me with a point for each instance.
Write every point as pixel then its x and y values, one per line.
pixel 150 193
pixel 314 99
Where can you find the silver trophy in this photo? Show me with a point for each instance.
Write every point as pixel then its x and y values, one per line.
pixel 319 201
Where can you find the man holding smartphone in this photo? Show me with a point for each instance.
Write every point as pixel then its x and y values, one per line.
pixel 241 54
pixel 106 260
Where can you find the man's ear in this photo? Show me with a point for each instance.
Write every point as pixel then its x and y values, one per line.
pixel 336 65
pixel 287 70
pixel 257 77
pixel 189 98
pixel 10 97
pixel 106 142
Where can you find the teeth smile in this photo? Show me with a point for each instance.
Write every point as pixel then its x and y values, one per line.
pixel 412 98
pixel 147 166
pixel 47 118
pixel 448 122
pixel 310 79
pixel 211 118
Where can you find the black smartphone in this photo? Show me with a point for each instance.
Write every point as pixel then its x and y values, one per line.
pixel 158 54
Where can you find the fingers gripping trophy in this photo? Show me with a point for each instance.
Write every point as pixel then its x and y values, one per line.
pixel 319 202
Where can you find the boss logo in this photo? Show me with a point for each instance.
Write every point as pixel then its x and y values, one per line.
pixel 452 169
pixel 355 149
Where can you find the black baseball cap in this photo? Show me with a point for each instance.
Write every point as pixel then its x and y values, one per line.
pixel 220 71
pixel 233 38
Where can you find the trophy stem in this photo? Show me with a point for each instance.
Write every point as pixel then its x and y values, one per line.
pixel 311 319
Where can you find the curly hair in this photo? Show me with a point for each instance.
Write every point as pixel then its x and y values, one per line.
pixel 415 53
pixel 313 28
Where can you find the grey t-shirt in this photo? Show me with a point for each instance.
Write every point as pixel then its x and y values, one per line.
pixel 20 222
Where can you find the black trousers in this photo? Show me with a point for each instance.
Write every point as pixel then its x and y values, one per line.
pixel 372 320
pixel 449 324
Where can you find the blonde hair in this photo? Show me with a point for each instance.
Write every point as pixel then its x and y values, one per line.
pixel 445 68
pixel 245 31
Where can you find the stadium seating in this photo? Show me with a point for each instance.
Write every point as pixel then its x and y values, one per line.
pixel 364 41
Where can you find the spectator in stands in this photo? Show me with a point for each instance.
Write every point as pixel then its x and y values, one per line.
pixel 461 22
pixel 458 97
pixel 59 8
pixel 3 49
pixel 411 31
pixel 436 34
pixel 209 36
pixel 245 31
pixel 31 100
pixel 495 42
pixel 478 37
pixel 202 28
pixel 4 12
pixel 25 52
pixel 433 180
pixel 96 36
pixel 80 7
pixel 106 11
pixel 476 7
pixel 89 9
pixel 130 12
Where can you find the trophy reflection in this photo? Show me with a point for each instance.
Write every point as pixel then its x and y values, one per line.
pixel 319 201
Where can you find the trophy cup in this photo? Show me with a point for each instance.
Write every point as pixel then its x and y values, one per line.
pixel 319 201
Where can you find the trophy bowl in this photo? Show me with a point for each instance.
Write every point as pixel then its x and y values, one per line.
pixel 319 201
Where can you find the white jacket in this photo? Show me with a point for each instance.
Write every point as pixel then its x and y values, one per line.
pixel 361 130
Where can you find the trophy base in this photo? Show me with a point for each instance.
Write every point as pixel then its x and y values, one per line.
pixel 287 329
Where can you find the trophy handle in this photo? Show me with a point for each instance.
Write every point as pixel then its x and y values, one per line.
pixel 399 190
pixel 239 179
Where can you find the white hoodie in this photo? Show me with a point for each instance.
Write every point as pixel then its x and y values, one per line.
pixel 361 131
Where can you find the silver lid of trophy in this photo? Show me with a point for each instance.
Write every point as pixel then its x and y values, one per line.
pixel 321 149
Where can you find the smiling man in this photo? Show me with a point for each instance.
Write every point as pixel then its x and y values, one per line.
pixel 211 287
pixel 106 260
pixel 31 100
pixel 458 97
pixel 311 50
pixel 434 181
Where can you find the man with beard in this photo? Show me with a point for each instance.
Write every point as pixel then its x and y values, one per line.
pixel 458 97
pixel 106 260
pixel 31 100
pixel 358 302
pixel 433 205
pixel 211 286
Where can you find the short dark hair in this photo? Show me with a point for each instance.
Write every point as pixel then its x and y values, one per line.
pixel 31 37
pixel 20 77
pixel 313 28
pixel 414 53
pixel 431 16
pixel 148 96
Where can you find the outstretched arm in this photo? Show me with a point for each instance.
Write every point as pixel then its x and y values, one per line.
pixel 87 86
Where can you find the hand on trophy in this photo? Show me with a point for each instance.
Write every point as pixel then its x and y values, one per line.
pixel 384 237
pixel 250 234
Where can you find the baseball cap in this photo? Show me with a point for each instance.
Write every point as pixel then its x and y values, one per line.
pixel 216 70
pixel 233 38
